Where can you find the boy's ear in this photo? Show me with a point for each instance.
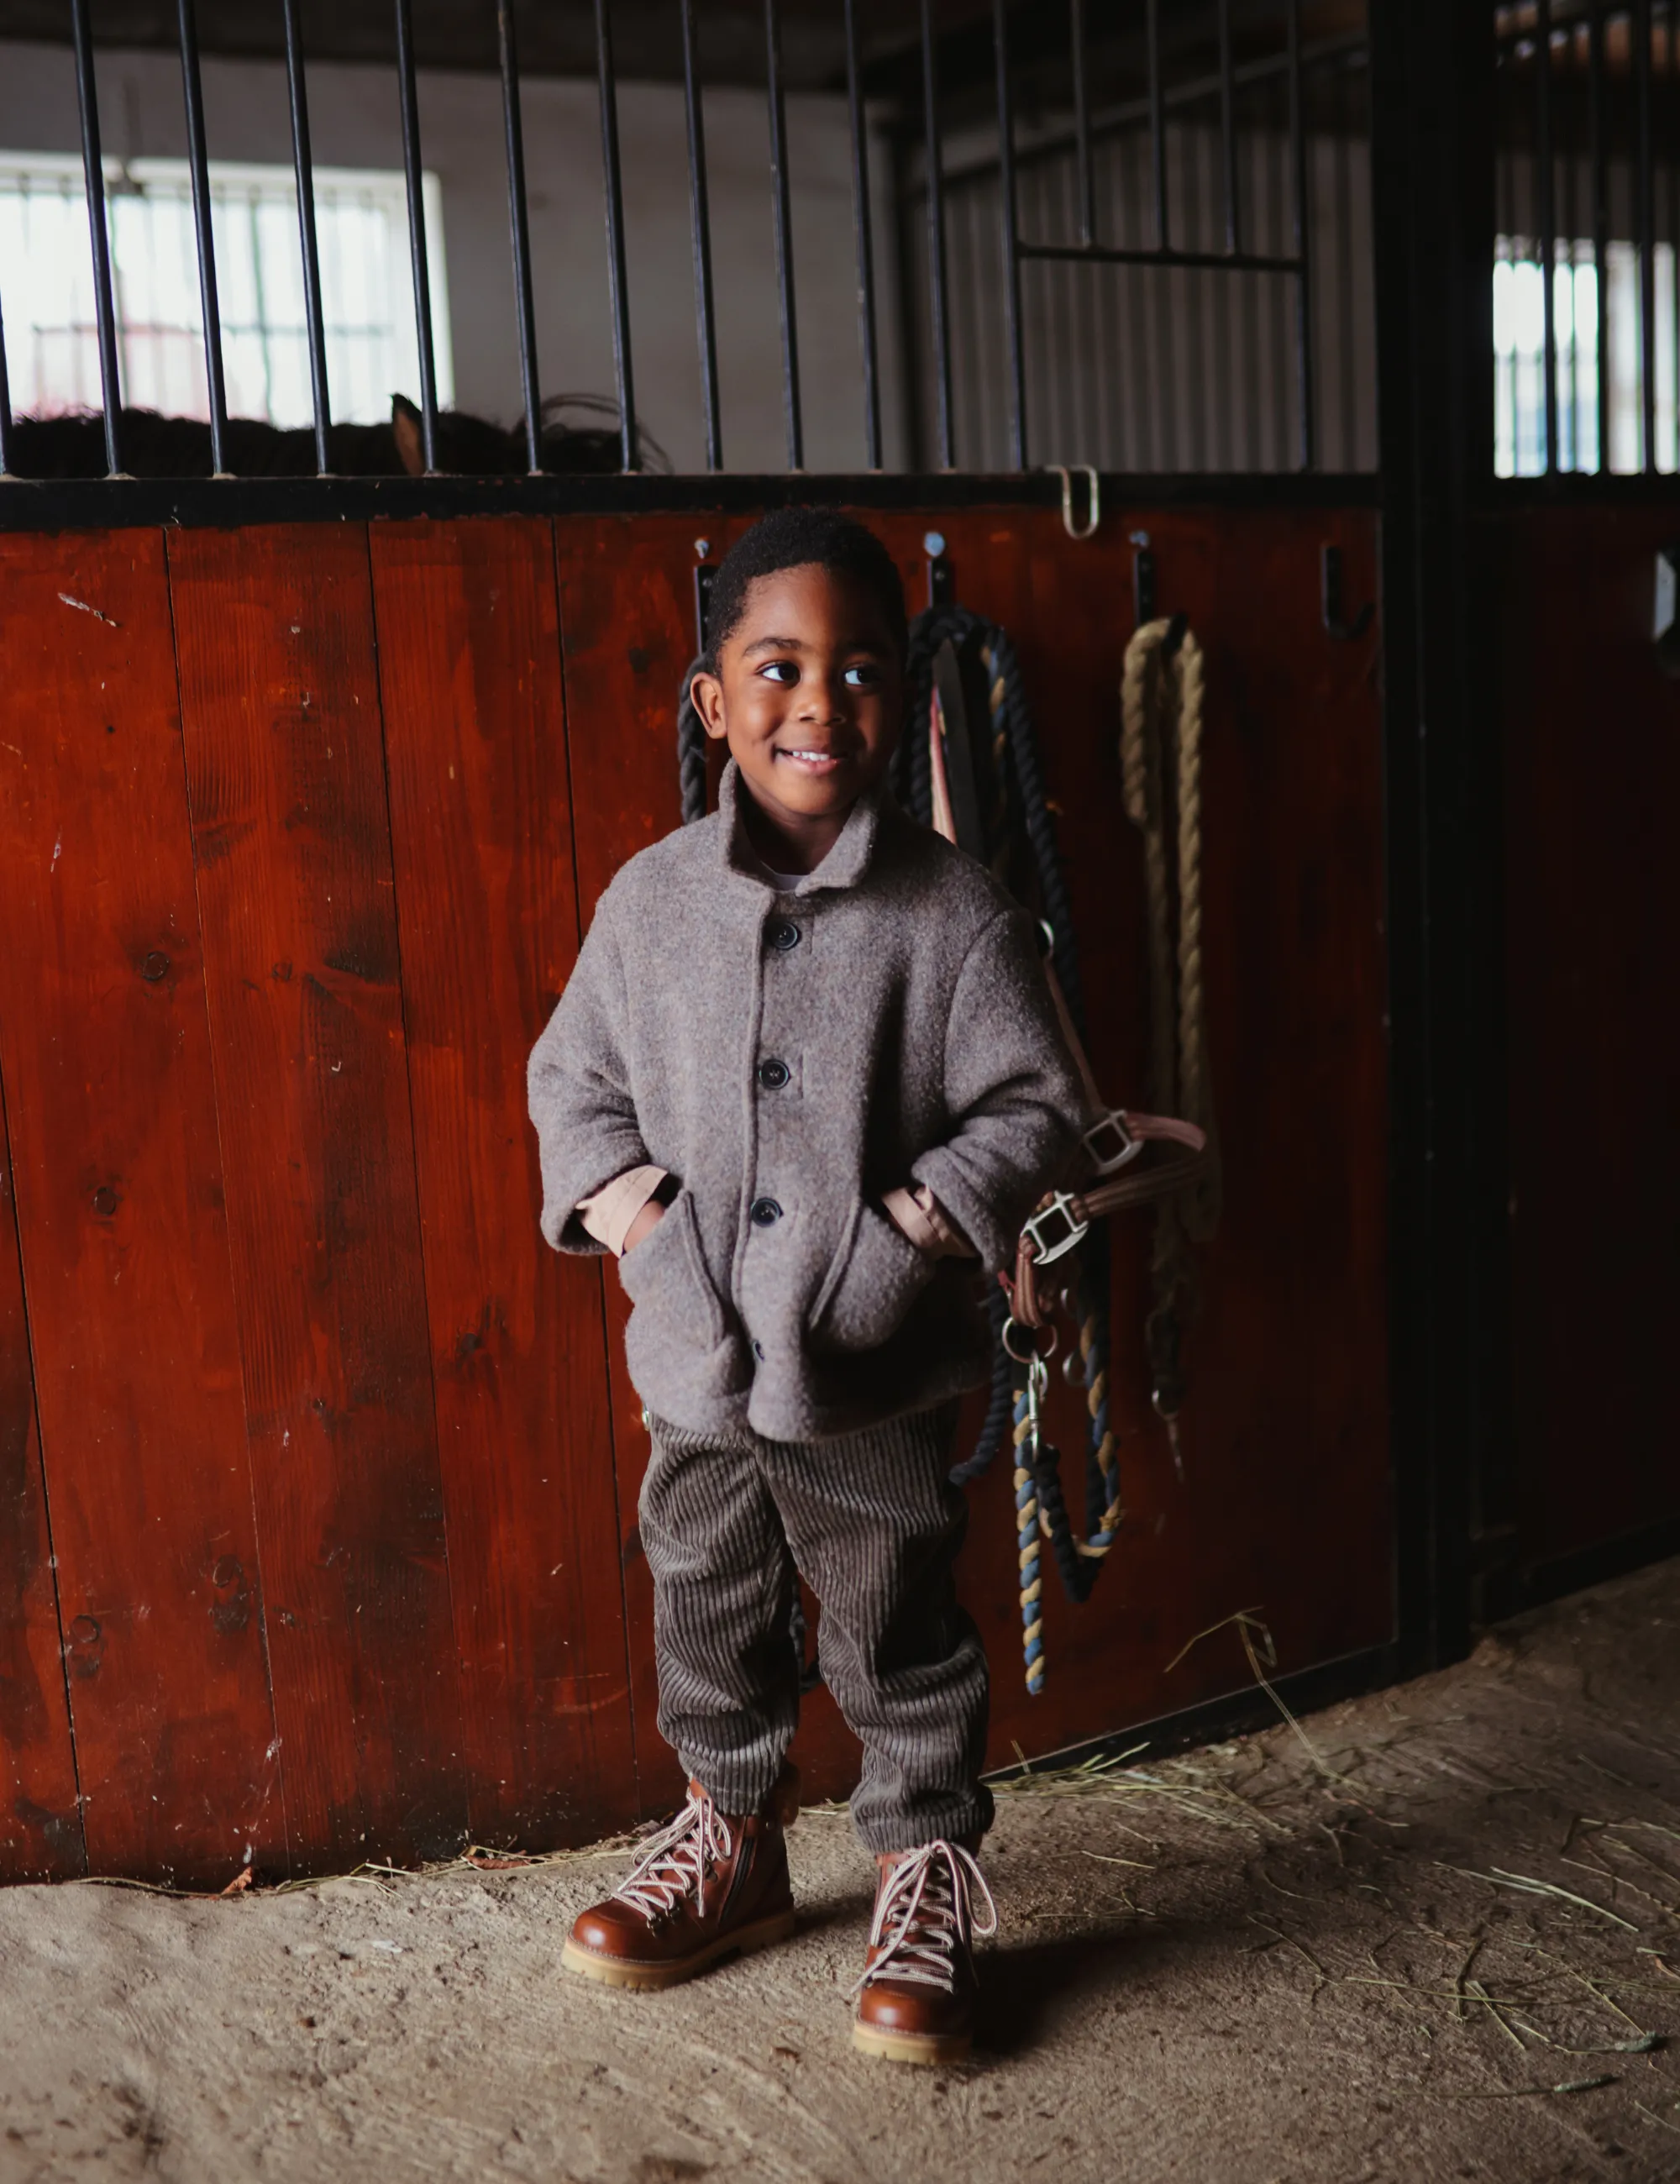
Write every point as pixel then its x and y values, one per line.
pixel 707 693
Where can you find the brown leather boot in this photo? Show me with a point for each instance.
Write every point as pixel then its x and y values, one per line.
pixel 710 1884
pixel 915 1999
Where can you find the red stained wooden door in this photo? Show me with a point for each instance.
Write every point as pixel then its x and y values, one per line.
pixel 1591 733
pixel 111 1110
pixel 481 828
pixel 280 707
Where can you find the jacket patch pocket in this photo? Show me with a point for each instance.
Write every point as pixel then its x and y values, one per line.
pixel 665 1277
pixel 876 1275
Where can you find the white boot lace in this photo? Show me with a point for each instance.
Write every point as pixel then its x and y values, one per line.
pixel 676 1863
pixel 924 1909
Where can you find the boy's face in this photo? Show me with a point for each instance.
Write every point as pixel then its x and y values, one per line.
pixel 809 695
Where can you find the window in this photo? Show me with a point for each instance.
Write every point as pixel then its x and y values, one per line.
pixel 361 219
pixel 1520 350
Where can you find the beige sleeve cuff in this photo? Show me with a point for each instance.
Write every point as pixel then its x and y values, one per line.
pixel 607 1212
pixel 918 1214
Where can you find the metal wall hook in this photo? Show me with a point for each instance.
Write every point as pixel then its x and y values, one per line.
pixel 705 576
pixel 1330 599
pixel 1142 577
pixel 1093 489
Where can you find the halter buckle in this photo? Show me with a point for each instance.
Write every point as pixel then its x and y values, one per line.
pixel 1110 1144
pixel 1055 1245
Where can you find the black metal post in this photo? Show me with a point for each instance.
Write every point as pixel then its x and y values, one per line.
pixel 199 160
pixel 5 409
pixel 1600 162
pixel 938 290
pixel 1009 234
pixel 1432 168
pixel 1228 129
pixel 519 225
pixel 1546 207
pixel 1157 124
pixel 1644 214
pixel 1081 123
pixel 780 198
pixel 412 177
pixel 864 226
pixel 617 276
pixel 700 217
pixel 303 167
pixel 1297 165
pixel 98 236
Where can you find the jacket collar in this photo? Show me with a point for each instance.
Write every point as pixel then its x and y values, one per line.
pixel 843 866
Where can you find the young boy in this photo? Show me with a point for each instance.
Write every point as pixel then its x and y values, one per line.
pixel 806 1074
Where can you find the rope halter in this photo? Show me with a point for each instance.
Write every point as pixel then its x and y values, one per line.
pixel 676 1863
pixel 925 1910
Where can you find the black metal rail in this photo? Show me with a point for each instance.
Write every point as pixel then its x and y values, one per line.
pixel 1090 128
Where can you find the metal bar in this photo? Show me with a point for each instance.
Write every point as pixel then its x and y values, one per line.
pixel 5 409
pixel 1673 218
pixel 1103 254
pixel 1081 110
pixel 700 222
pixel 1227 130
pixel 1009 235
pixel 1545 196
pixel 865 240
pixel 1157 124
pixel 93 178
pixel 784 241
pixel 617 274
pixel 199 160
pixel 408 102
pixel 303 163
pixel 1600 162
pixel 519 225
pixel 937 295
pixel 1645 217
pixel 1298 171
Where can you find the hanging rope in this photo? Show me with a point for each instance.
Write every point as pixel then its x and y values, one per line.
pixel 1160 754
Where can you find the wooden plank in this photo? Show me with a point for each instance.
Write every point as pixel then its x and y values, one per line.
pixel 279 708
pixel 41 1835
pixel 628 626
pixel 111 1111
pixel 474 722
pixel 1591 761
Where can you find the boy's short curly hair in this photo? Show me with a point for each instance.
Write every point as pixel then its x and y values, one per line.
pixel 800 539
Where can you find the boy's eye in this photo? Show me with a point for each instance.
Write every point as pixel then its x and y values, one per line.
pixel 864 675
pixel 780 671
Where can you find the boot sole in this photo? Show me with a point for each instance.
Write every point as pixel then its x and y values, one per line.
pixel 624 1972
pixel 911 2047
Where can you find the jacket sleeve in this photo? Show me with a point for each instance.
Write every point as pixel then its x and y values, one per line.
pixel 1012 1088
pixel 578 1085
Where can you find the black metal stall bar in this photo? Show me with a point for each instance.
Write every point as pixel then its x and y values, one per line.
pixel 518 227
pixel 1081 123
pixel 938 298
pixel 1009 228
pixel 1227 132
pixel 699 216
pixel 1298 169
pixel 1545 204
pixel 98 236
pixel 782 207
pixel 412 178
pixel 863 224
pixel 303 167
pixel 5 407
pixel 1644 218
pixel 617 278
pixel 199 160
pixel 1157 124
pixel 1600 154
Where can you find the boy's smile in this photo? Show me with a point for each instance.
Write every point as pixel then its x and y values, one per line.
pixel 809 696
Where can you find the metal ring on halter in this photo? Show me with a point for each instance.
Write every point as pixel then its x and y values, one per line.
pixel 1034 1354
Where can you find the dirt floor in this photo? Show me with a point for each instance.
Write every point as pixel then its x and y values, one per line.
pixel 1434 1934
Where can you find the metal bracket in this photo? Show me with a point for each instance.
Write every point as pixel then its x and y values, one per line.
pixel 1046 1250
pixel 1142 577
pixel 705 576
pixel 1330 599
pixel 1093 496
pixel 1110 1144
pixel 941 585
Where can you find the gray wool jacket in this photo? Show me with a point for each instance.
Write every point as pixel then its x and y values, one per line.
pixel 788 1058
